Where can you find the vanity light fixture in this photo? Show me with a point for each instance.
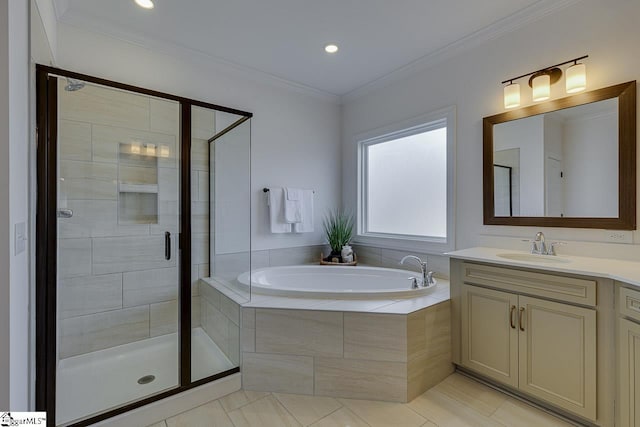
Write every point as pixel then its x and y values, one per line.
pixel 150 149
pixel 512 95
pixel 145 4
pixel 576 79
pixel 331 48
pixel 540 82
pixel 541 86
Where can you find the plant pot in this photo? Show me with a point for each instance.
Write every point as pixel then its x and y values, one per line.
pixel 334 254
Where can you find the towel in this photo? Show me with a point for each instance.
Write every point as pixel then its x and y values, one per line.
pixel 306 226
pixel 276 220
pixel 293 205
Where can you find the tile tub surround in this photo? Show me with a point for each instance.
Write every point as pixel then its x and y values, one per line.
pixel 377 349
pixel 220 318
pixel 391 357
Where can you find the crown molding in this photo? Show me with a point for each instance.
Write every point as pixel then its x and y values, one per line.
pixel 503 26
pixel 189 54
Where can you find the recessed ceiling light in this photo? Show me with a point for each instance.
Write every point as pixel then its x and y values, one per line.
pixel 331 48
pixel 147 4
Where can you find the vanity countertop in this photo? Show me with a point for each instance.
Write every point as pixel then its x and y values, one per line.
pixel 623 271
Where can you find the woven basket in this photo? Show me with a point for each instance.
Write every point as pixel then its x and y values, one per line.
pixel 323 262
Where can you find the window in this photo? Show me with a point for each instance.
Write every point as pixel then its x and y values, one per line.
pixel 406 185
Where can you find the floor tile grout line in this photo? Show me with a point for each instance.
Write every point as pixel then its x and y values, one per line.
pixel 406 405
pixel 339 409
pixel 247 404
pixel 286 409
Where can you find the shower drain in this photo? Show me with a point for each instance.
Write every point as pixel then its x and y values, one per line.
pixel 146 379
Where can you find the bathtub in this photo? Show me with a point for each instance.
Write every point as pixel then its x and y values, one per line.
pixel 333 282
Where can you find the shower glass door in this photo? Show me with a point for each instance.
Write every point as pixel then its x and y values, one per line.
pixel 221 239
pixel 118 267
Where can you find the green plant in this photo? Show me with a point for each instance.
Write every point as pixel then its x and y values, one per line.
pixel 338 226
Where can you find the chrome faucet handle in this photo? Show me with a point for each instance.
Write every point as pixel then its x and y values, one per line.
pixel 430 280
pixel 414 282
pixel 552 247
pixel 534 246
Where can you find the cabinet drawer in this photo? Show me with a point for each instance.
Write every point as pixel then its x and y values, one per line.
pixel 569 289
pixel 629 303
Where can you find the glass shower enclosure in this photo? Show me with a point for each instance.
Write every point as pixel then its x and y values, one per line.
pixel 138 193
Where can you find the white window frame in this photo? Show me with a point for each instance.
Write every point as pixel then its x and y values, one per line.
pixel 435 245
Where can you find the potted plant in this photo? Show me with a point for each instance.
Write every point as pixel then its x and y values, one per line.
pixel 338 227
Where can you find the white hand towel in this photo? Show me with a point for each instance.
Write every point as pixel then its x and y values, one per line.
pixel 294 193
pixel 293 205
pixel 306 226
pixel 276 220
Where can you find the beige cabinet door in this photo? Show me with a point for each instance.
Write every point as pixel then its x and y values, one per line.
pixel 489 334
pixel 558 354
pixel 629 363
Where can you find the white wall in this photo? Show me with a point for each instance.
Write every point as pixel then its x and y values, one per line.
pixel 14 186
pixel 589 141
pixel 45 12
pixel 528 136
pixel 5 223
pixel 295 136
pixel 607 31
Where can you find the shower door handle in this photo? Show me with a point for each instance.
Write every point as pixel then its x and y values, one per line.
pixel 167 245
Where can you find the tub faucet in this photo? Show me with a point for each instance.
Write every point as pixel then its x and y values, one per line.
pixel 427 276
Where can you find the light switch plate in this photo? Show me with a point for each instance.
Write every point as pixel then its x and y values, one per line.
pixel 20 239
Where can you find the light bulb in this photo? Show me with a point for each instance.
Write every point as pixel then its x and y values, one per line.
pixel 135 148
pixel 150 149
pixel 164 151
pixel 331 48
pixel 541 87
pixel 146 4
pixel 512 95
pixel 576 78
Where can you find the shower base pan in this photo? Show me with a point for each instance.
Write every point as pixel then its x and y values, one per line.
pixel 95 382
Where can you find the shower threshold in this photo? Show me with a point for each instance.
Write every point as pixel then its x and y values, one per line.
pixel 102 380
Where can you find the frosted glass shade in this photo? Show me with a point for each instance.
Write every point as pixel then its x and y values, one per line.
pixel 541 87
pixel 512 95
pixel 576 78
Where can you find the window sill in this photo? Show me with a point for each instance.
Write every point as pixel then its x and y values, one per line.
pixel 405 244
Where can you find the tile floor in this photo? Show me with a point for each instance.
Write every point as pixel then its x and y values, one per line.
pixel 456 402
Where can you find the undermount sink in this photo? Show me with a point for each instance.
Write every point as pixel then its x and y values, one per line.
pixel 544 259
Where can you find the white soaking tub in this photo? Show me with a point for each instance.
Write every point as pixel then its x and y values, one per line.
pixel 334 282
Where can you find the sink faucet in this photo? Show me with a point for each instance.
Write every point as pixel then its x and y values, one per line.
pixel 427 276
pixel 540 247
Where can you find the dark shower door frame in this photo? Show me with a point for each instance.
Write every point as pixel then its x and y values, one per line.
pixel 46 238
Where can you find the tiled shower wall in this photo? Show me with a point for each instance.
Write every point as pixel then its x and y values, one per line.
pixel 114 284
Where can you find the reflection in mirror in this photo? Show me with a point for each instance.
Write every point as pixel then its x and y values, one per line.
pixel 572 162
pixel 504 189
pixel 562 163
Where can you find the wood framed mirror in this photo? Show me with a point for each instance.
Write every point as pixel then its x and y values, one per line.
pixel 571 162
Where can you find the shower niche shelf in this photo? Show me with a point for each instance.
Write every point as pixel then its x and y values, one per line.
pixel 137 183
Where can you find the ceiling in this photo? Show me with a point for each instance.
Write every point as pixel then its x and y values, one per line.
pixel 285 38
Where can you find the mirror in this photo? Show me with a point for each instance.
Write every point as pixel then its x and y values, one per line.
pixel 564 163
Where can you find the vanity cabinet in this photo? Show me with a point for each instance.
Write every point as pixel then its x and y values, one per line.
pixel 518 337
pixel 629 357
